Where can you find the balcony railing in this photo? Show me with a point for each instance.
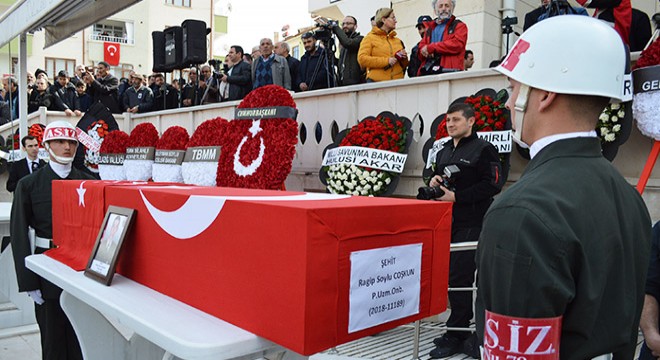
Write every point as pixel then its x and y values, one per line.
pixel 121 40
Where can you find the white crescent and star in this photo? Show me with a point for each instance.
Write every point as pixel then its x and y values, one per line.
pixel 81 194
pixel 241 169
pixel 112 49
pixel 200 211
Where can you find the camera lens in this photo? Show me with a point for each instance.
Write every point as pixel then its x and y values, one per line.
pixel 429 192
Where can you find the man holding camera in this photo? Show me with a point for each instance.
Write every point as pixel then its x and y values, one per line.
pixel 103 88
pixel 349 71
pixel 473 189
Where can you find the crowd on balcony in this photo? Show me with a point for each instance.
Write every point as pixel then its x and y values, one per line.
pixel 378 56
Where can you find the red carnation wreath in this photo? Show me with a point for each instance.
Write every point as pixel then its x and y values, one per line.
pixel 169 155
pixel 111 156
pixel 258 154
pixel 140 152
pixel 489 114
pixel 209 135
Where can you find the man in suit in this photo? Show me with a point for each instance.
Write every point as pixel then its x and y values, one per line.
pixel 26 166
pixel 237 82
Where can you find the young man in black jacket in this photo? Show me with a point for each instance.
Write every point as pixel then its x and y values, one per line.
pixel 66 91
pixel 474 186
pixel 237 82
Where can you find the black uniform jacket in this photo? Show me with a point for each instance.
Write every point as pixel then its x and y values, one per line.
pixel 570 238
pixel 32 207
pixel 478 181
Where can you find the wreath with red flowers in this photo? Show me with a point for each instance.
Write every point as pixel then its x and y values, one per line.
pixel 258 153
pixel 143 135
pixel 649 56
pixel 386 131
pixel 491 114
pixel 36 130
pixel 209 133
pixel 174 138
pixel 115 142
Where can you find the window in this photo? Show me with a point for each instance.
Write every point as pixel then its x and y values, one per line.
pixel 114 31
pixel 14 65
pixel 183 3
pixel 54 65
pixel 120 71
pixel 296 52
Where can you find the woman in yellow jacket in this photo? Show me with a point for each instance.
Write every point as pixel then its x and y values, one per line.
pixel 381 53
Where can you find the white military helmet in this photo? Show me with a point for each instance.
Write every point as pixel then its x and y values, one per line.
pixel 569 54
pixel 59 130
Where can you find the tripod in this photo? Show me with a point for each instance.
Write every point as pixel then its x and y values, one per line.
pixel 328 60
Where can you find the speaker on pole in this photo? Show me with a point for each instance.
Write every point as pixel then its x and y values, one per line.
pixel 194 42
pixel 173 48
pixel 158 38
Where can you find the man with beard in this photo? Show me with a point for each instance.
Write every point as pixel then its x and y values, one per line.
pixel 314 72
pixel 104 87
pixel 237 82
pixel 443 47
pixel 349 71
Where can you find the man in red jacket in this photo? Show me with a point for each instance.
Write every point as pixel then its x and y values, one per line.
pixel 443 47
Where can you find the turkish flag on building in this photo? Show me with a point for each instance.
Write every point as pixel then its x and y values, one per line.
pixel 111 53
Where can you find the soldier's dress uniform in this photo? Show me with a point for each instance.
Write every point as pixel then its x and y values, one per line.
pixel 32 207
pixel 568 239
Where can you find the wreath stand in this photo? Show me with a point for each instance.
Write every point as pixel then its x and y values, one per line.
pixel 648 168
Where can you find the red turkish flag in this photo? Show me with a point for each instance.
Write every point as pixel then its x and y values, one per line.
pixel 111 53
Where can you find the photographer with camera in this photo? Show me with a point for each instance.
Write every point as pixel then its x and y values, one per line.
pixel 165 95
pixel 443 47
pixel 348 68
pixel 208 83
pixel 471 190
pixel 314 73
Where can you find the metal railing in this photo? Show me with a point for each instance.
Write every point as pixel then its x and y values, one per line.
pixel 117 39
pixel 465 246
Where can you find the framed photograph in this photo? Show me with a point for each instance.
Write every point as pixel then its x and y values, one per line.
pixel 103 260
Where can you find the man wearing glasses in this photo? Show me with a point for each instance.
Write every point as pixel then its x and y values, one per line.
pixel 349 70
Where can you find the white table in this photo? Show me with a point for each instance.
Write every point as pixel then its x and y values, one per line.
pixel 128 320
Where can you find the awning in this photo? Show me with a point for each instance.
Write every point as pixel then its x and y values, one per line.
pixel 58 18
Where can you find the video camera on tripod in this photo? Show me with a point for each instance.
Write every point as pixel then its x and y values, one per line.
pixel 218 68
pixel 324 31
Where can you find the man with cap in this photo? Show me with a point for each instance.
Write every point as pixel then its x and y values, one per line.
pixel 32 208
pixel 413 66
pixel 563 254
pixel 24 167
pixel 104 87
pixel 66 91
pixel 138 98
pixel 443 44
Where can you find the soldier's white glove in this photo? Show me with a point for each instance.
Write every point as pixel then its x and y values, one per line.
pixel 35 295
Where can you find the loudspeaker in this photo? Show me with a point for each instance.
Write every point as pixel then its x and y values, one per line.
pixel 173 47
pixel 158 38
pixel 194 42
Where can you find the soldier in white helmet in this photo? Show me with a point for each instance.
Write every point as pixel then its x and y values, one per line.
pixel 563 252
pixel 32 207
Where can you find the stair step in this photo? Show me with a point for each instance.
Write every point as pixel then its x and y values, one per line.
pixel 8 306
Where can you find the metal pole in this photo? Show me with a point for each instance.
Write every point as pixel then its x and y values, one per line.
pixel 22 86
pixel 415 354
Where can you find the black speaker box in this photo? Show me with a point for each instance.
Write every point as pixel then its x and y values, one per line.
pixel 158 38
pixel 173 47
pixel 194 42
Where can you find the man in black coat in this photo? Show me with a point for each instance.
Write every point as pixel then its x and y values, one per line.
pixel 349 71
pixel 66 91
pixel 314 73
pixel 21 168
pixel 237 82
pixel 532 17
pixel 104 87
pixel 165 95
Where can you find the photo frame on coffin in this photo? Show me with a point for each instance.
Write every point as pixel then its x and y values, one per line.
pixel 407 125
pixel 103 259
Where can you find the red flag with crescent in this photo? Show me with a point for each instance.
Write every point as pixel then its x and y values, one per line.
pixel 111 53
